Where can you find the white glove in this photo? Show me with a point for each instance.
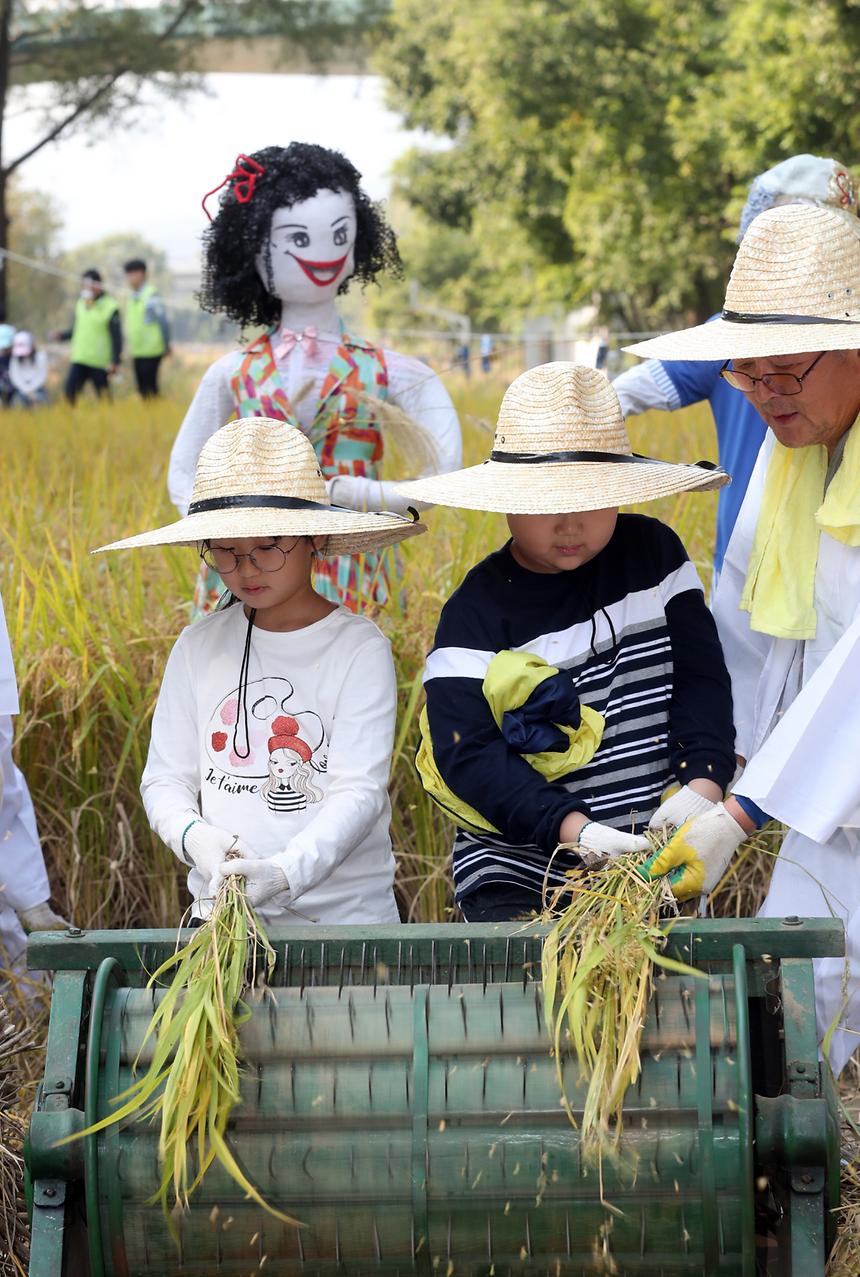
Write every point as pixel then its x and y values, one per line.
pixel 599 842
pixel 678 807
pixel 700 851
pixel 357 492
pixel 263 879
pixel 206 846
pixel 41 917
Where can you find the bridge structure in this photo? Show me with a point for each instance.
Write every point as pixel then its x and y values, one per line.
pixel 288 37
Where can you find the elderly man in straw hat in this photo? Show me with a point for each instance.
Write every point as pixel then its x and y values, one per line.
pixel 576 671
pixel 675 383
pixel 788 601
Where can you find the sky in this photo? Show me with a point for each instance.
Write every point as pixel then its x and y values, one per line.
pixel 151 177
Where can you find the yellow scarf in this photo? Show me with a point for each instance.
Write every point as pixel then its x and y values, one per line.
pixel 779 592
pixel 509 682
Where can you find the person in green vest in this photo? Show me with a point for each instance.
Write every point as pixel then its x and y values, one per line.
pixel 146 327
pixel 96 337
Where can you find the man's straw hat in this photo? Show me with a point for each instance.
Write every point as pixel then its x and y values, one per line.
pixel 257 477
pixel 795 288
pixel 561 447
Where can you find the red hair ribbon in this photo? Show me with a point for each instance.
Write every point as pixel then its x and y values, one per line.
pixel 244 176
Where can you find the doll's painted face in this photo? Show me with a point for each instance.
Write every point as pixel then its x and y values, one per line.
pixel 311 248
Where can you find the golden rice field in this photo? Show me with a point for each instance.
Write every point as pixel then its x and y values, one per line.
pixel 91 636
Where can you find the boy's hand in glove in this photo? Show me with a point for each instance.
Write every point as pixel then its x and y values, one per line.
pixel 600 841
pixel 679 807
pixel 699 853
pixel 263 879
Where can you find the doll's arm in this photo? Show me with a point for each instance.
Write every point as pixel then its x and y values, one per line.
pixel 212 407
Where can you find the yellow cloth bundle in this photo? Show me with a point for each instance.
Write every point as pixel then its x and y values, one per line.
pixel 779 592
pixel 510 680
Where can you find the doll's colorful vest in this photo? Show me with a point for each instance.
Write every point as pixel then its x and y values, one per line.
pixel 347 440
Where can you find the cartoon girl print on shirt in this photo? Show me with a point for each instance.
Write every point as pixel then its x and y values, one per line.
pixel 289 786
pixel 266 738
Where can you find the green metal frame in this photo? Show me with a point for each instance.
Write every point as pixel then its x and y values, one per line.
pixel 794 1132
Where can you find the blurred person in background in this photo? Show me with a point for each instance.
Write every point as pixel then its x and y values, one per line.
pixel 28 372
pixel 7 336
pixel 96 336
pixel 146 328
pixel 666 385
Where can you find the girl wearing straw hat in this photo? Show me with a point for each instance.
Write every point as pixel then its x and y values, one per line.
pixel 275 722
pixel 576 671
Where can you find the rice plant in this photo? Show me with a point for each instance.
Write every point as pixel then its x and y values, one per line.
pixel 192 1082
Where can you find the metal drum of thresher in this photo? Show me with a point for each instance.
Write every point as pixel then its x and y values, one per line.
pixel 400 1099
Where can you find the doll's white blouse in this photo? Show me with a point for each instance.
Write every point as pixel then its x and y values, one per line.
pixel 335 681
pixel 413 387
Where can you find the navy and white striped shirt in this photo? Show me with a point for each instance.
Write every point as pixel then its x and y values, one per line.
pixel 633 629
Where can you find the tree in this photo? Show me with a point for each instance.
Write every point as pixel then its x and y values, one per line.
pixel 96 62
pixel 109 255
pixel 619 135
pixel 35 295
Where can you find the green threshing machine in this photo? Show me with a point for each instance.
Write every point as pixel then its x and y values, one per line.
pixel 400 1100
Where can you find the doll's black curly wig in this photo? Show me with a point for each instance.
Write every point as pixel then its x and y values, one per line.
pixel 231 285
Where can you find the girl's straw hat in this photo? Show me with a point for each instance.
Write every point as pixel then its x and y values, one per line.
pixel 260 478
pixel 795 288
pixel 561 447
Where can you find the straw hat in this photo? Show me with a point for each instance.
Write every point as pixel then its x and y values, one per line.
pixel 795 288
pixel 561 447
pixel 257 477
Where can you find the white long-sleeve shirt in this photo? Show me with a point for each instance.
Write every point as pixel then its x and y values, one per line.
pixel 28 376
pixel 325 822
pixel 413 387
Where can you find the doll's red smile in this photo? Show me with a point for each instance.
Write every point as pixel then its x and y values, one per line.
pixel 321 273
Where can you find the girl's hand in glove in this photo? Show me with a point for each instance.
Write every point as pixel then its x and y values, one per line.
pixel 678 808
pixel 699 853
pixel 207 845
pixel 263 879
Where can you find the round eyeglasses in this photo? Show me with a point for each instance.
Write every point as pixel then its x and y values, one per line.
pixel 265 558
pixel 780 383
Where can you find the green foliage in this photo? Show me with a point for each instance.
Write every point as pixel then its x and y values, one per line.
pixel 35 297
pixel 109 254
pixel 619 138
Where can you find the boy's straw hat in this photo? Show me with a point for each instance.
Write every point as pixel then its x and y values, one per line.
pixel 561 447
pixel 257 477
pixel 794 288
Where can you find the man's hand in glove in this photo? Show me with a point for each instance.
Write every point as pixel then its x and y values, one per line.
pixel 207 845
pixel 41 917
pixel 699 853
pixel 681 806
pixel 263 879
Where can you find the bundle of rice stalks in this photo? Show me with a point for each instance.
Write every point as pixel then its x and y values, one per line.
pixel 606 937
pixel 192 1082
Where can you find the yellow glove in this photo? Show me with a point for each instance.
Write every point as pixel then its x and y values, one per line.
pixel 699 853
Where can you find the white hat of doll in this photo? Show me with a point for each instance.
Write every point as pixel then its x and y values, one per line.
pixel 794 289
pixel 257 477
pixel 561 447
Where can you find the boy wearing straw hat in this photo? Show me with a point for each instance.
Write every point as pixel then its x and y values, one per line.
pixel 274 726
pixel 576 671
pixel 788 601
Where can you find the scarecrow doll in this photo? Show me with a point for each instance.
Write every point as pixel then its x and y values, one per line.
pixel 294 227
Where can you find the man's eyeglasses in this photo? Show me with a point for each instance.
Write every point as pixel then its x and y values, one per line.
pixel 265 558
pixel 781 383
